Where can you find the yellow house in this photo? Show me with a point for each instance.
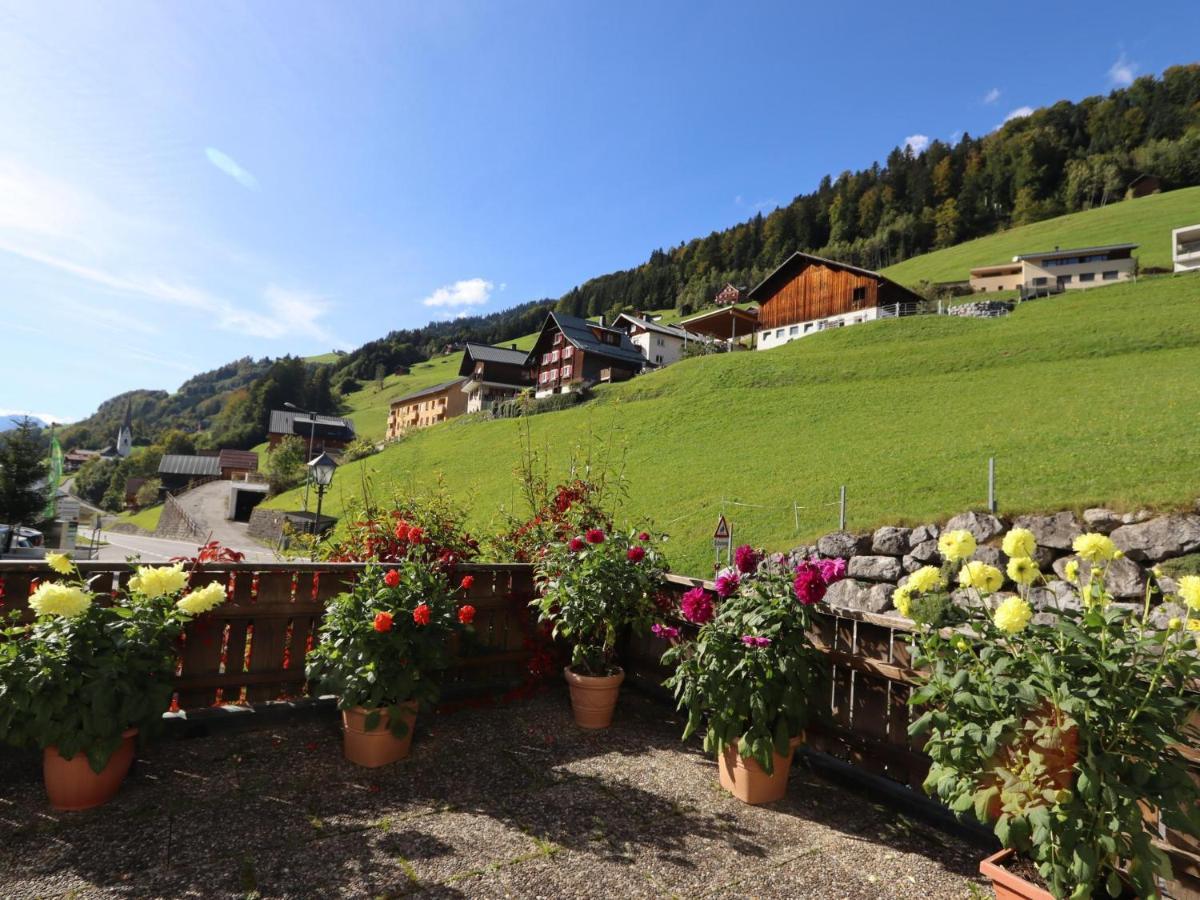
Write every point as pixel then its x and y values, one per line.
pixel 1053 271
pixel 421 409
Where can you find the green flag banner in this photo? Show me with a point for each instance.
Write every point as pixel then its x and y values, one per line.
pixel 53 477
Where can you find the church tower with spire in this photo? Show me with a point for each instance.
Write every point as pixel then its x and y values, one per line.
pixel 125 435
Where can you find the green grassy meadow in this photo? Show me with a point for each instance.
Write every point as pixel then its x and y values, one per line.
pixel 146 518
pixel 1087 398
pixel 1146 221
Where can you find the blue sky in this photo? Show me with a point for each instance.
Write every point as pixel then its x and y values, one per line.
pixel 182 184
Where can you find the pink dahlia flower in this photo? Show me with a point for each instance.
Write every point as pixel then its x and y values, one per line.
pixel 697 606
pixel 746 559
pixel 809 585
pixel 727 583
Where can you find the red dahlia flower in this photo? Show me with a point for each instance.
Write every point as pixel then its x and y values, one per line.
pixel 392 578
pixel 383 621
pixel 746 558
pixel 466 614
pixel 575 545
pixel 421 614
pixel 467 582
pixel 416 535
pixel 402 531
pixel 635 554
pixel 644 536
pixel 809 585
pixel 594 536
pixel 697 606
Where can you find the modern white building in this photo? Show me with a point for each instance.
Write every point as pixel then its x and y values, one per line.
pixel 1052 271
pixel 660 344
pixel 1185 248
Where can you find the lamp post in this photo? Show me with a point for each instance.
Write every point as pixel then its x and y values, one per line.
pixel 320 473
pixel 312 430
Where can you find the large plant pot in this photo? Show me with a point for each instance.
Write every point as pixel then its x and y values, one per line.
pixel 745 778
pixel 377 746
pixel 1005 884
pixel 593 698
pixel 71 784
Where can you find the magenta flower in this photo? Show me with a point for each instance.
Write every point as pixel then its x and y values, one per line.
pixel 809 585
pixel 758 642
pixel 746 559
pixel 575 545
pixel 727 583
pixel 594 536
pixel 635 554
pixel 831 569
pixel 697 606
pixel 666 632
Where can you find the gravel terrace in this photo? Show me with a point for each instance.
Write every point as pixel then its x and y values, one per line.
pixel 510 801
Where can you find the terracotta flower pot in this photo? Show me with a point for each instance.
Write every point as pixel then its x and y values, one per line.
pixel 71 784
pixel 745 778
pixel 379 746
pixel 593 698
pixel 1005 884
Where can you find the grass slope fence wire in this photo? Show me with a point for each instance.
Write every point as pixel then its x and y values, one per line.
pixel 870 681
pixel 252 649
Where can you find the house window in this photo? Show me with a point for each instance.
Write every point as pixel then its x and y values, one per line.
pixel 658 358
pixel 1037 282
pixel 542 378
pixel 1109 276
pixel 858 295
pixel 545 359
pixel 659 341
pixel 807 327
pixel 557 338
pixel 1087 276
pixel 568 352
pixel 795 329
pixel 1064 280
pixel 554 356
pixel 778 333
pixel 566 371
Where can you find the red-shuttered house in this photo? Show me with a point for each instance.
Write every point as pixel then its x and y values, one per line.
pixel 571 352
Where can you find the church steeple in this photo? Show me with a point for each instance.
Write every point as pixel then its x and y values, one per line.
pixel 125 435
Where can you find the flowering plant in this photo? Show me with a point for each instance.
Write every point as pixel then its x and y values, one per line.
pixel 1062 729
pixel 428 527
pixel 85 669
pixel 594 585
pixel 385 641
pixel 748 675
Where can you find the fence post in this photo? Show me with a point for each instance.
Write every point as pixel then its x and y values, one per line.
pixel 842 510
pixel 992 485
pixel 796 515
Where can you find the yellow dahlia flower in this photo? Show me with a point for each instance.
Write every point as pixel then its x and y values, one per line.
pixel 1012 615
pixel 1022 570
pixel 1189 591
pixel 202 599
pixel 981 576
pixel 54 599
pixel 158 581
pixel 902 600
pixel 60 563
pixel 1095 548
pixel 926 578
pixel 956 545
pixel 1071 570
pixel 1193 624
pixel 1019 542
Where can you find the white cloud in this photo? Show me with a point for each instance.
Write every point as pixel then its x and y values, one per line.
pixel 1122 72
pixel 471 292
pixel 44 416
pixel 1019 113
pixel 917 142
pixel 229 166
pixel 954 136
pixel 991 96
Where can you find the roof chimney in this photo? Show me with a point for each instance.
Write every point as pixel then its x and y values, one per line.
pixel 513 346
pixel 603 321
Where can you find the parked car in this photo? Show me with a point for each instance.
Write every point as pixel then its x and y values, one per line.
pixel 27 543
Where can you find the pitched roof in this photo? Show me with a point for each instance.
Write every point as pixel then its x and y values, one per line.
pixel 436 389
pixel 672 330
pixel 579 332
pixel 488 353
pixel 238 459
pixel 181 464
pixel 1076 251
pixel 283 421
pixel 784 272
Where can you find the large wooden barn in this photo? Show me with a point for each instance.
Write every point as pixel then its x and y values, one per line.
pixel 808 294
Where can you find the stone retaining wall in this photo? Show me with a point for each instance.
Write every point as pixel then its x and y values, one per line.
pixel 879 561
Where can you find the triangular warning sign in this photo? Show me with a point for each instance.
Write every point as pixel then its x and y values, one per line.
pixel 722 532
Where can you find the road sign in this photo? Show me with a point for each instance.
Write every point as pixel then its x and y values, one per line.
pixel 722 536
pixel 68 510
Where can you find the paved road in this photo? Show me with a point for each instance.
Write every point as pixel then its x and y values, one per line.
pixel 153 549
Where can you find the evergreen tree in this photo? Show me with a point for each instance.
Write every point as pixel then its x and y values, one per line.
pixel 22 467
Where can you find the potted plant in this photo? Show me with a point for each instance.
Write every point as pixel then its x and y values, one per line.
pixel 593 587
pixel 86 676
pixel 383 645
pixel 1062 730
pixel 747 677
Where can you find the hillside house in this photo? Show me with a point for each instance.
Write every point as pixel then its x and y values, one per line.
pixel 729 295
pixel 492 375
pixel 1054 271
pixel 660 345
pixel 179 472
pixel 426 407
pixel 571 352
pixel 731 326
pixel 808 294
pixel 73 460
pixel 237 465
pixel 1185 248
pixel 327 432
pixel 1143 186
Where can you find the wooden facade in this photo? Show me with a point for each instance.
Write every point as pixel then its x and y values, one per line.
pixel 580 352
pixel 806 288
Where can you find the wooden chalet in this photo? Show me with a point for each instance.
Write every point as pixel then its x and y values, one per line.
pixel 571 352
pixel 492 375
pixel 327 432
pixel 808 294
pixel 729 295
pixel 237 464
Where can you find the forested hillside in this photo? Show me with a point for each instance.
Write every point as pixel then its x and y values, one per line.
pixel 1061 159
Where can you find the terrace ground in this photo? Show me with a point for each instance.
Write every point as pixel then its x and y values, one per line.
pixel 503 801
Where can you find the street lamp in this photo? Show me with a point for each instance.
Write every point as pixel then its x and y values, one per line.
pixel 312 430
pixel 320 473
